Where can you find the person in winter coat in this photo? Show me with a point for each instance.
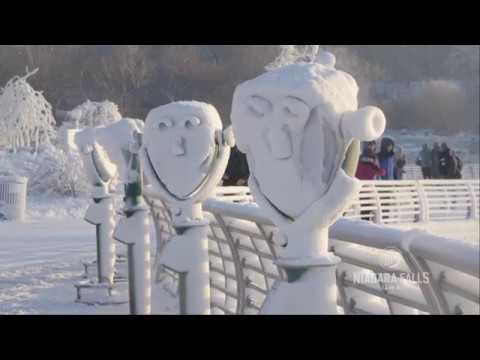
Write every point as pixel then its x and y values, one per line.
pixel 445 161
pixel 424 160
pixel 436 161
pixel 368 169
pixel 400 162
pixel 458 166
pixel 386 158
pixel 368 165
pixel 453 163
pixel 237 171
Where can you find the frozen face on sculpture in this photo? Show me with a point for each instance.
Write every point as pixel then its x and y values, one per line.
pixel 179 139
pixel 295 124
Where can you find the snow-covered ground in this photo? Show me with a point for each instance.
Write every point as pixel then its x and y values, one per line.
pixel 41 259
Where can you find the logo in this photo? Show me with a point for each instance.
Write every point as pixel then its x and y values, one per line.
pixel 390 258
pixel 391 275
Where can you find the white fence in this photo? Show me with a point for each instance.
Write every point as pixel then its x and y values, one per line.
pixel 415 272
pixel 403 201
pixel 469 171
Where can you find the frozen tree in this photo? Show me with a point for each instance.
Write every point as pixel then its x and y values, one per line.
pixel 92 114
pixel 26 118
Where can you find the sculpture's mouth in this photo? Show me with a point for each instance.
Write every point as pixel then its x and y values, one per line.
pixel 270 201
pixel 205 166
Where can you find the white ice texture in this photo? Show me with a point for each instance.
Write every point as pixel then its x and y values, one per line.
pixel 295 124
pixel 93 114
pixel 26 118
pixel 180 140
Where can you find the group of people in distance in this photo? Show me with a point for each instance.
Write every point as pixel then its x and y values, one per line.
pixel 441 162
pixel 387 164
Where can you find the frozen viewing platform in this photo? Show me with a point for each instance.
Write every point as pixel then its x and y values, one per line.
pixel 154 232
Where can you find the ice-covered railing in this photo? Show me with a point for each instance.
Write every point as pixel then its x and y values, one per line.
pixel 403 201
pixel 407 201
pixel 469 171
pixel 383 270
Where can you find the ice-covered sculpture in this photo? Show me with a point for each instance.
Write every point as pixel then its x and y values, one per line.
pixel 133 230
pixel 295 125
pixel 185 153
pixel 104 152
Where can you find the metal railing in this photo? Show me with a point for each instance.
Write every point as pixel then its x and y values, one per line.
pixel 403 201
pixel 407 201
pixel 414 272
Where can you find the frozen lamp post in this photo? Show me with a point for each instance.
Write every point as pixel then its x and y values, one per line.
pixel 184 155
pixel 296 124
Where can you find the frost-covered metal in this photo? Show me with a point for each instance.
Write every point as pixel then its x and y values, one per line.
pixel 296 124
pixel 243 249
pixel 184 155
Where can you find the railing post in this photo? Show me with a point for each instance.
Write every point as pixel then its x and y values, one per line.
pixel 473 201
pixel 422 201
pixel 378 210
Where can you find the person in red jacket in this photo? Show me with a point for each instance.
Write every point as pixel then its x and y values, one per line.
pixel 368 165
pixel 368 169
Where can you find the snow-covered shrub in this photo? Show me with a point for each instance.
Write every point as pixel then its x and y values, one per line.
pixel 26 118
pixel 92 114
pixel 51 171
pixel 59 172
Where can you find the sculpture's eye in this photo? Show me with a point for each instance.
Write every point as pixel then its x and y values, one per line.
pixel 192 122
pixel 296 108
pixel 259 105
pixel 164 124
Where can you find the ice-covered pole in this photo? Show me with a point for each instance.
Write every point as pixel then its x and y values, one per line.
pixel 185 155
pixel 299 126
pixel 134 231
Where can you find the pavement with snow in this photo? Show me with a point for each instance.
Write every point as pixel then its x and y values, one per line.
pixel 41 259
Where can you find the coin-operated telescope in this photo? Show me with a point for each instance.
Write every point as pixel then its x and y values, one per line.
pixel 133 230
pixel 103 151
pixel 297 125
pixel 184 156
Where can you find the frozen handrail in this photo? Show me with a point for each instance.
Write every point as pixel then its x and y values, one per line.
pixel 452 266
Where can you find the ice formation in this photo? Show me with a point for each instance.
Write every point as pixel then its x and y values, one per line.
pixel 114 139
pixel 290 54
pixel 93 114
pixel 180 140
pixel 295 124
pixel 26 118
pixel 185 153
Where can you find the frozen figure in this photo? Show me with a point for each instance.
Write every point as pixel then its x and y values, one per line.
pixel 103 152
pixel 184 155
pixel 295 125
